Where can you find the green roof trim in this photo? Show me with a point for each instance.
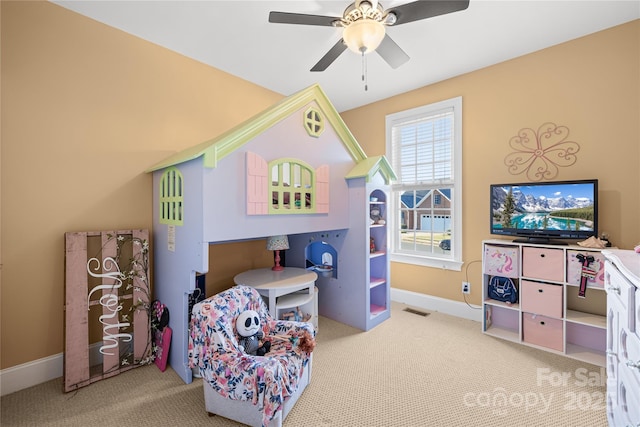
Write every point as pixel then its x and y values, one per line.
pixel 370 166
pixel 218 148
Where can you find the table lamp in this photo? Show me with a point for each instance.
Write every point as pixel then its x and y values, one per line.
pixel 277 243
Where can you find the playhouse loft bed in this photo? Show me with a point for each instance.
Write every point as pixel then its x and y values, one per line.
pixel 293 169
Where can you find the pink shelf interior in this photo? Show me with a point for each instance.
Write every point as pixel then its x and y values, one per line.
pixel 376 309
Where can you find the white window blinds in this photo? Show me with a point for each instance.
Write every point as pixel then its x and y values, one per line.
pixel 422 149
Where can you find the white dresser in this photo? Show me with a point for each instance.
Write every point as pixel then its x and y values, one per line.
pixel 622 283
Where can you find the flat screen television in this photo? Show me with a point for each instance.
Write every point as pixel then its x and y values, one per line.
pixel 545 212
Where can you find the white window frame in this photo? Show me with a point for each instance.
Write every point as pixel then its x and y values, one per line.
pixel 454 260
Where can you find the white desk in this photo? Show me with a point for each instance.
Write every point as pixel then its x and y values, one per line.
pixel 272 284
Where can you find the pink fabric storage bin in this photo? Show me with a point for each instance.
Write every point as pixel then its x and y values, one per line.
pixel 574 268
pixel 501 260
pixel 543 263
pixel 541 298
pixel 542 330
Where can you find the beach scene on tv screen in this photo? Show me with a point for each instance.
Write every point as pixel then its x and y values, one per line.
pixel 543 207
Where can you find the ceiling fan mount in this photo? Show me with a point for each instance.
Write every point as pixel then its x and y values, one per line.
pixel 364 23
pixel 362 9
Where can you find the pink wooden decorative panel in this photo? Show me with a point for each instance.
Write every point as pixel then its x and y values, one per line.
pixel 76 356
pixel 106 290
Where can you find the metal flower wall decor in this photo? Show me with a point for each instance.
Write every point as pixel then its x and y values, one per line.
pixel 540 154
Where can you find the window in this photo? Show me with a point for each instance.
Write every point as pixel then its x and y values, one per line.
pixel 291 187
pixel 424 146
pixel 171 197
pixel 313 122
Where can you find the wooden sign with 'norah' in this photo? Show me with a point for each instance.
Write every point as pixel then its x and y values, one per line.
pixel 107 305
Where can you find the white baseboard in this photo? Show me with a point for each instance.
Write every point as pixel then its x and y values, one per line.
pixel 39 371
pixel 431 303
pixel 32 373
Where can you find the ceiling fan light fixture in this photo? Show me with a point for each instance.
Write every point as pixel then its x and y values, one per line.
pixel 363 35
pixel 389 19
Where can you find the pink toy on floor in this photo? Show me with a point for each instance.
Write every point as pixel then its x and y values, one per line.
pixel 161 333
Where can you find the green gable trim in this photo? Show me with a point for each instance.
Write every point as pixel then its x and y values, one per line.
pixel 218 148
pixel 370 166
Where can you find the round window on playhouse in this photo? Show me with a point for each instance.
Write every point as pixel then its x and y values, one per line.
pixel 313 122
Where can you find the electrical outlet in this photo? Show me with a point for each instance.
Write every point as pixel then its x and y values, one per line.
pixel 466 287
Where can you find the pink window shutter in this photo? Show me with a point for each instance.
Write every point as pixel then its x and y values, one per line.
pixel 257 185
pixel 322 189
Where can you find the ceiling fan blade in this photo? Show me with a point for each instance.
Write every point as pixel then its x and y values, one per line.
pixel 391 52
pixel 302 19
pixel 330 56
pixel 424 9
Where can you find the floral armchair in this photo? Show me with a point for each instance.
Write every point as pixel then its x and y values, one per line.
pixel 254 390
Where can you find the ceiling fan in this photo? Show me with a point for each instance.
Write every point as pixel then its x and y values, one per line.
pixel 364 23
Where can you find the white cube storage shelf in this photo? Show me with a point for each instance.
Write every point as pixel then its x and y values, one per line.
pixel 549 314
pixel 301 302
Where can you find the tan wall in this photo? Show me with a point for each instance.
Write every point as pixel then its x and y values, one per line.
pixel 85 110
pixel 591 85
pixel 228 259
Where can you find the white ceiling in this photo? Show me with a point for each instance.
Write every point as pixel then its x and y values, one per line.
pixel 235 36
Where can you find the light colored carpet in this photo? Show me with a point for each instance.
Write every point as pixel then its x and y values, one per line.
pixel 411 370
